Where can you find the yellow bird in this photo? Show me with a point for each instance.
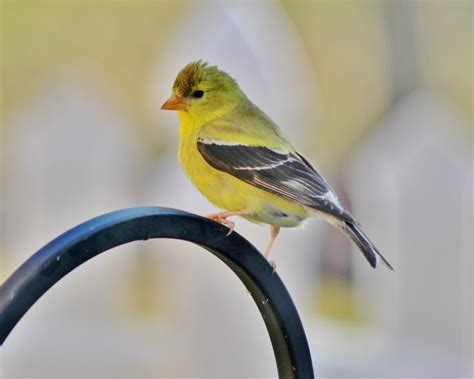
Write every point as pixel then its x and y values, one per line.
pixel 239 159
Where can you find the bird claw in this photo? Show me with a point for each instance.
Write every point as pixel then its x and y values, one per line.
pixel 230 225
pixel 221 219
pixel 274 266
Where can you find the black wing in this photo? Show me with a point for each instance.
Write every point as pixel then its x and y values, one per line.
pixel 284 174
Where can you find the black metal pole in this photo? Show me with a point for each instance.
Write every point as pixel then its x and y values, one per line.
pixel 62 255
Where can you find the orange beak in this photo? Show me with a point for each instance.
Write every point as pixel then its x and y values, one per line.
pixel 174 103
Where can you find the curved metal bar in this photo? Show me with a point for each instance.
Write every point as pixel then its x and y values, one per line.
pixel 62 255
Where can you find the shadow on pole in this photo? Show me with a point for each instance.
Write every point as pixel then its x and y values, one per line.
pixel 62 255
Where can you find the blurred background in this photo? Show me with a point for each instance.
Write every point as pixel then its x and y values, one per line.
pixel 378 94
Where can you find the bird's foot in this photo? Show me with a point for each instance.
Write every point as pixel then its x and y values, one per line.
pixel 274 266
pixel 221 218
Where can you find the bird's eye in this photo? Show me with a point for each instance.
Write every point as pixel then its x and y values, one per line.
pixel 198 94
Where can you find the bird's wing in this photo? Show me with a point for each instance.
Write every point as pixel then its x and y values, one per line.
pixel 275 169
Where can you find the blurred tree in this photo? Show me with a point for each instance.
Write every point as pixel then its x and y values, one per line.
pixel 115 41
pixel 348 44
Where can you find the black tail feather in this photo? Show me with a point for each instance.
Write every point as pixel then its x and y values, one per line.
pixel 366 247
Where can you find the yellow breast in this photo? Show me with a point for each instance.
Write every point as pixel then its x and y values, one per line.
pixel 219 188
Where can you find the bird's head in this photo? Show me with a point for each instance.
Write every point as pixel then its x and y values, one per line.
pixel 204 91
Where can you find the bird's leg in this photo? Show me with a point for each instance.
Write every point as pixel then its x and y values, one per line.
pixel 274 230
pixel 221 218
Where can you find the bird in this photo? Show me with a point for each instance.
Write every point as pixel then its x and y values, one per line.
pixel 241 161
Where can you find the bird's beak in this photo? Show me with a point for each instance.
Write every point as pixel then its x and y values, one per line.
pixel 174 103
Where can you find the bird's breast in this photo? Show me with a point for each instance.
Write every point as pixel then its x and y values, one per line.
pixel 218 187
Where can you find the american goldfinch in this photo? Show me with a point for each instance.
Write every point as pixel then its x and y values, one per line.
pixel 239 159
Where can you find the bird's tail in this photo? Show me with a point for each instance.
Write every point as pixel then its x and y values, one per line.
pixel 366 247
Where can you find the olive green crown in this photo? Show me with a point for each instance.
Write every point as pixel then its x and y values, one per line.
pixel 195 72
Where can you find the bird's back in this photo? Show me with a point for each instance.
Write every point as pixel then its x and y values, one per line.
pixel 248 125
